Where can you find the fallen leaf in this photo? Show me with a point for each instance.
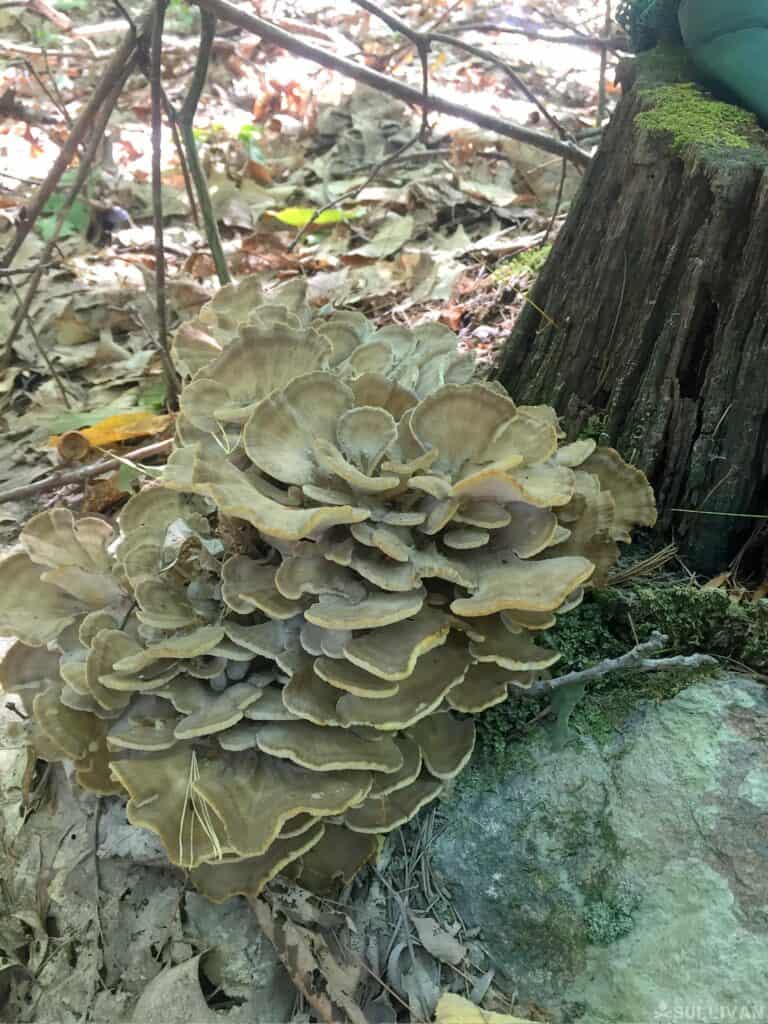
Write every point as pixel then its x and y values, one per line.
pixel 174 997
pixel 300 216
pixel 438 941
pixel 122 427
pixel 395 232
pixel 453 1009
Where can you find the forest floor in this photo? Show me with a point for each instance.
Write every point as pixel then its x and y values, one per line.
pixel 453 230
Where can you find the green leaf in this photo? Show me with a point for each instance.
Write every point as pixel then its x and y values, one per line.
pixel 300 216
pixel 76 220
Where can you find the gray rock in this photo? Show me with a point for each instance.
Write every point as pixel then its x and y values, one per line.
pixel 627 882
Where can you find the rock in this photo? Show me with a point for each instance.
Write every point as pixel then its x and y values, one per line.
pixel 627 880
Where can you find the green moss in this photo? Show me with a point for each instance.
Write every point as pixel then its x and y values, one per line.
pixel 610 917
pixel 692 117
pixel 529 263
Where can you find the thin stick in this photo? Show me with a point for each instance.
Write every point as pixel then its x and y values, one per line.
pixel 39 346
pixel 637 660
pixel 593 42
pixel 250 22
pixel 156 90
pixel 602 98
pixel 84 167
pixel 78 476
pixel 185 119
pixel 116 71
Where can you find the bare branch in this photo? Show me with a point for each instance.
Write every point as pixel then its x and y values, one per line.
pixel 77 476
pixel 252 23
pixel 636 660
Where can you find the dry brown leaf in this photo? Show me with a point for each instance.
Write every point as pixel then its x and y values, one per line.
pixel 438 941
pixel 327 985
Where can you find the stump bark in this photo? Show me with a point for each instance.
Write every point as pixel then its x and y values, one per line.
pixel 649 322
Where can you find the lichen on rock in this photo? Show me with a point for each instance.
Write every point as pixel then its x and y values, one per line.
pixel 353 550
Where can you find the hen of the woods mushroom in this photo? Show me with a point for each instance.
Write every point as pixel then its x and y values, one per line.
pixel 279 654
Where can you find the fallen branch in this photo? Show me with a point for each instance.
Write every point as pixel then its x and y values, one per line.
pixel 636 660
pixel 77 476
pixel 266 30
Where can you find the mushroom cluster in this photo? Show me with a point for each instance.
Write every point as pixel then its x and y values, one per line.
pixel 279 654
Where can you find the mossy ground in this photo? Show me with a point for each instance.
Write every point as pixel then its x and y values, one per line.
pixel 606 625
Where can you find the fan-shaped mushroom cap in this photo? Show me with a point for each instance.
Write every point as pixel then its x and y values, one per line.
pixel 405 775
pixel 484 686
pixel 278 436
pixel 446 743
pixel 460 422
pixel 386 813
pixel 514 651
pixel 30 608
pixel 255 796
pixel 336 859
pixel 147 724
pixel 264 359
pixel 528 586
pixel 75 733
pixel 344 676
pixel 217 711
pixel 308 696
pixel 434 675
pixel 392 652
pixel 374 389
pixel 160 790
pixel 308 572
pixel 246 585
pixel 183 645
pixel 270 707
pixel 379 608
pixel 329 749
pixel 27 670
pixel 629 488
pixel 247 877
pixel 236 495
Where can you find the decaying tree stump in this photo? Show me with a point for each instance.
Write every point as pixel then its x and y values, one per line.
pixel 649 321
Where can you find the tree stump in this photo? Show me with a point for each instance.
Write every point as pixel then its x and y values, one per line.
pixel 649 322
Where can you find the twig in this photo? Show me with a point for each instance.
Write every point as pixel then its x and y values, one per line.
pixel 423 42
pixel 252 23
pixel 558 201
pixel 530 95
pixel 185 120
pixel 636 660
pixel 102 117
pixel 601 91
pixel 619 42
pixel 117 70
pixel 39 346
pixel 77 476
pixel 156 90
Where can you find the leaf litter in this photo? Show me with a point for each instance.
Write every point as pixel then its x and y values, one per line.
pixel 95 925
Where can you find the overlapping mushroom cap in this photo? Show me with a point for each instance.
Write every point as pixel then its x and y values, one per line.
pixel 351 553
